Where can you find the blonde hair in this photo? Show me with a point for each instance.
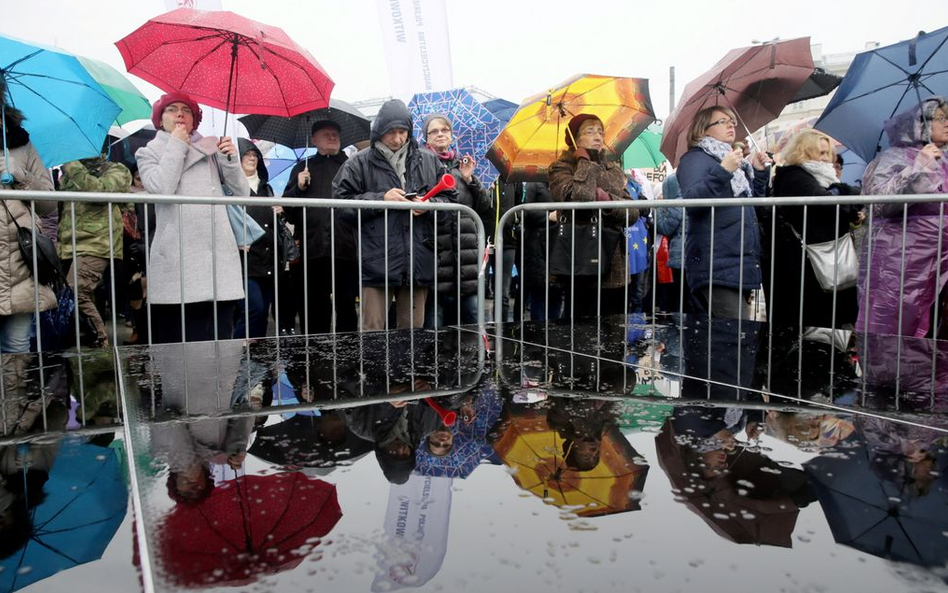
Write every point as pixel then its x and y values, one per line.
pixel 805 146
pixel 702 121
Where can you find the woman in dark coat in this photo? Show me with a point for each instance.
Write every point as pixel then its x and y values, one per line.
pixel 261 269
pixel 537 284
pixel 438 137
pixel 712 168
pixel 807 171
pixel 582 174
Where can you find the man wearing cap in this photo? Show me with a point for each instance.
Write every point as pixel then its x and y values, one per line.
pixel 312 178
pixel 397 247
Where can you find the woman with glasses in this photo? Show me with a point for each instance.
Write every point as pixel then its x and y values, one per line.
pixel 722 248
pixel 807 170
pixel 900 279
pixel 582 174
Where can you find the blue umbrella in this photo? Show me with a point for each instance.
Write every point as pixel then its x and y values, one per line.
pixel 470 442
pixel 502 109
pixel 881 83
pixel 67 113
pixel 280 161
pixel 85 503
pixel 475 127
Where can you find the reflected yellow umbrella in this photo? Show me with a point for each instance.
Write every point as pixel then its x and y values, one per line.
pixel 536 134
pixel 535 454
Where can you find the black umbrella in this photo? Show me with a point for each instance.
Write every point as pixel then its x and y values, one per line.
pixel 820 83
pixel 300 442
pixel 123 151
pixel 295 131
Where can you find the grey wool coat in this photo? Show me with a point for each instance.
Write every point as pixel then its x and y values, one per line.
pixel 170 167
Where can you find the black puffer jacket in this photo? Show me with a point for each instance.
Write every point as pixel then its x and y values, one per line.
pixel 322 170
pixel 475 196
pixel 367 176
pixel 260 256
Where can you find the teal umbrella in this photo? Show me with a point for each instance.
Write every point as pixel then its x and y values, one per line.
pixel 645 151
pixel 133 103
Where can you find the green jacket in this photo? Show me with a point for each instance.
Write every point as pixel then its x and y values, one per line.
pixel 92 219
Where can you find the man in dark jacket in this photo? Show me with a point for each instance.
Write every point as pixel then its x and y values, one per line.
pixel 539 286
pixel 397 247
pixel 312 178
pixel 456 248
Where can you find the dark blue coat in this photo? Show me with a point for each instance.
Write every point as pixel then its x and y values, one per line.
pixel 367 176
pixel 702 176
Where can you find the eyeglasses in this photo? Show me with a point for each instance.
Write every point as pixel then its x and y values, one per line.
pixel 940 119
pixel 175 108
pixel 724 121
pixel 439 131
pixel 592 132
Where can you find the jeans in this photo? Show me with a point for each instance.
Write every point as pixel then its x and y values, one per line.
pixel 448 310
pixel 260 294
pixel 15 332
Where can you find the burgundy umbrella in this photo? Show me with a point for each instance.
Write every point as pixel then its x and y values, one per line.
pixel 757 82
pixel 227 61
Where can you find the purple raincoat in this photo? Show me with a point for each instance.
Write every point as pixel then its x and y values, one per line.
pixel 902 170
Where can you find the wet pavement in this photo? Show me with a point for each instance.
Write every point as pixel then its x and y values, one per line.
pixel 598 456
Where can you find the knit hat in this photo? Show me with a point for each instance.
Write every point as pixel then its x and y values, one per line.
pixel 575 124
pixel 167 99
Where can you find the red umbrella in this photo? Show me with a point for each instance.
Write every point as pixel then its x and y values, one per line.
pixel 227 61
pixel 247 528
pixel 757 82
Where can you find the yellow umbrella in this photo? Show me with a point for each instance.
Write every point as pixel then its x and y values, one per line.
pixel 536 134
pixel 534 452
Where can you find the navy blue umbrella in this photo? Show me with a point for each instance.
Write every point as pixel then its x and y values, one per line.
pixel 85 503
pixel 881 83
pixel 502 109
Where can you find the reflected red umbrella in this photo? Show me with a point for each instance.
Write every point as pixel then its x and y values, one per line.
pixel 247 528
pixel 227 61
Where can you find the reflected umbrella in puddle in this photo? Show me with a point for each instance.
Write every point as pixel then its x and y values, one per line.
pixel 245 529
pixel 317 442
pixel 742 495
pixel 889 496
pixel 80 508
pixel 569 472
pixel 469 440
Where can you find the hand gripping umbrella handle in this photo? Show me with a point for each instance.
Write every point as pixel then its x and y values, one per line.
pixel 446 182
pixel 448 417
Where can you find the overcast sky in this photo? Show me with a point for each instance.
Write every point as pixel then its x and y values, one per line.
pixel 513 48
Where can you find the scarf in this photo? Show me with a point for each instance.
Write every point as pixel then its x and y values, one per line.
pixel 739 184
pixel 254 182
pixel 398 160
pixel 824 173
pixel 446 157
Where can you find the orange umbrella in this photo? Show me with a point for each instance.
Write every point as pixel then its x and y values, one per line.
pixel 536 134
pixel 535 454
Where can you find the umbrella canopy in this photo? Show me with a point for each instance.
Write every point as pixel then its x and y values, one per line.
pixel 763 513
pixel 474 126
pixel 226 61
pixel 247 528
pixel 85 503
pixel 501 108
pixel 881 83
pixel 124 150
pixel 67 113
pixel 295 131
pixel 299 442
pixel 645 151
pixel 534 453
pixel 280 161
pixel 470 442
pixel 133 103
pixel 818 84
pixel 536 134
pixel 756 82
pixel 871 513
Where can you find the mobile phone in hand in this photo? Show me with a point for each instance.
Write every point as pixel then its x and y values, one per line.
pixel 411 195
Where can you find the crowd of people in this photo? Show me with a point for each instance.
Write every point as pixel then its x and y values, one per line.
pixel 316 270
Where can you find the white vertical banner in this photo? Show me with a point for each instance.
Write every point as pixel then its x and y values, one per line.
pixel 417 46
pixel 416 530
pixel 212 124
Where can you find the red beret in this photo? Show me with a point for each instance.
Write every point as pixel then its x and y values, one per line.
pixel 575 124
pixel 167 99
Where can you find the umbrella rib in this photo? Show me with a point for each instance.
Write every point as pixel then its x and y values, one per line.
pixel 873 91
pixel 199 60
pixel 932 54
pixel 20 75
pixel 55 551
pixel 69 117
